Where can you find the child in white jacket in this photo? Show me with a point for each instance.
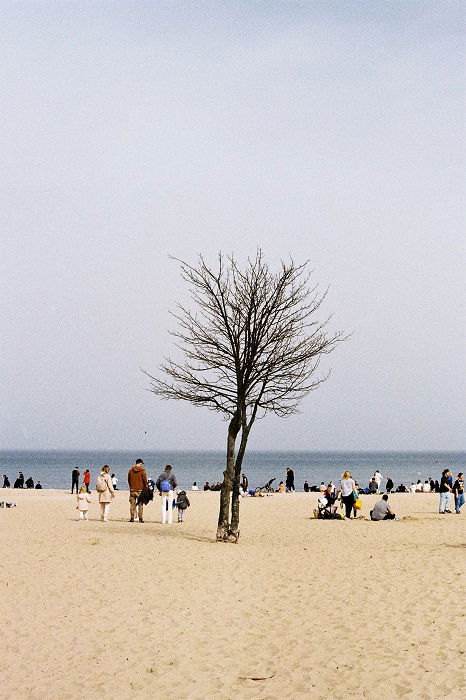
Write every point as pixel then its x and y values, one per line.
pixel 84 499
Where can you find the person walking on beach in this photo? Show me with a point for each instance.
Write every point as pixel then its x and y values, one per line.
pixel 166 484
pixel 382 510
pixel 458 492
pixel 290 479
pixel 348 493
pixel 83 498
pixel 182 503
pixel 104 487
pixel 137 480
pixel 445 492
pixel 75 480
pixel 87 479
pixel 114 482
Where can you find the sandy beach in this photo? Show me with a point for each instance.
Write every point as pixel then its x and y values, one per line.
pixel 315 609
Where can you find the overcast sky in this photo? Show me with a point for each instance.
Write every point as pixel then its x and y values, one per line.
pixel 331 131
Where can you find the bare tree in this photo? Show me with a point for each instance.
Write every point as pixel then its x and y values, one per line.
pixel 251 346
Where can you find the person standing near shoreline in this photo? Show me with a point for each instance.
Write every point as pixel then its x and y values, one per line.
pixel 75 479
pixel 137 480
pixel 87 479
pixel 348 493
pixel 166 484
pixel 445 492
pixel 290 479
pixel 458 492
pixel 378 477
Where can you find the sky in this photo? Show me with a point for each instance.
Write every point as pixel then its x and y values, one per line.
pixel 327 131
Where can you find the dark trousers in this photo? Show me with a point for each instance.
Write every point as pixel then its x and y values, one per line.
pixel 73 484
pixel 349 503
pixel 87 487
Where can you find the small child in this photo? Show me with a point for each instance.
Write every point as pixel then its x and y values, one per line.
pixel 84 499
pixel 182 502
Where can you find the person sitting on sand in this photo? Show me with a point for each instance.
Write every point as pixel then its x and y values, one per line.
pixel 322 487
pixel 382 510
pixel 6 482
pixel 426 486
pixel 412 488
pixel 83 499
pixel 38 485
pixel 419 486
pixel 373 486
pixel 29 483
pixel 329 494
pixel 281 487
pixel 306 487
pixel 206 486
pixel 401 488
pixel 195 487
pixel 389 485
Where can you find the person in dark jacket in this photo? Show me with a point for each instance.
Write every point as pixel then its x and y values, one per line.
pixel 6 482
pixel 29 483
pixel 389 486
pixel 137 480
pixel 182 503
pixel 290 479
pixel 19 483
pixel 75 479
pixel 38 485
pixel 306 487
pixel 166 484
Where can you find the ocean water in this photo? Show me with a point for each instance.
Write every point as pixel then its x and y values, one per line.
pixel 53 468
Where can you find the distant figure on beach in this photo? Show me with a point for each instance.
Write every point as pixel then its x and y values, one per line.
pixel 290 479
pixel 445 492
pixel 281 487
pixel 87 479
pixel 412 488
pixel 6 482
pixel 373 486
pixel 182 503
pixel 29 483
pixel 75 479
pixel 38 485
pixel 419 485
pixel 401 488
pixel 306 487
pixel 458 492
pixel 114 482
pixel 378 477
pixel 426 486
pixel 389 485
pixel 105 490
pixel 322 487
pixel 137 480
pixel 84 499
pixel 206 486
pixel 244 482
pixel 166 484
pixel 432 484
pixel 348 492
pixel 382 510
pixel 195 487
pixel 19 483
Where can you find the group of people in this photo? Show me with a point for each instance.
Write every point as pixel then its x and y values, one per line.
pixel 209 487
pixel 141 490
pixel 20 482
pixel 75 474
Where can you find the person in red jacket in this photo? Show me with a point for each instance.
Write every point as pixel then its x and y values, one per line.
pixel 87 479
pixel 137 480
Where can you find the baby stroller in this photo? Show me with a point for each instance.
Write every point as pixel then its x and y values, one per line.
pixel 266 488
pixel 326 510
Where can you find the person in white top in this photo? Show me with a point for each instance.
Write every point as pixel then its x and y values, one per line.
pixel 426 487
pixel 348 492
pixel 412 488
pixel 378 477
pixel 195 487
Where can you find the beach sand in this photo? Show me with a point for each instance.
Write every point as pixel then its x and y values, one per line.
pixel 319 609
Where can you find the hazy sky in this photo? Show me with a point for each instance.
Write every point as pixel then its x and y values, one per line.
pixel 331 131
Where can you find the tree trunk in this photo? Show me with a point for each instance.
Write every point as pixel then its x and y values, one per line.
pixel 223 527
pixel 234 527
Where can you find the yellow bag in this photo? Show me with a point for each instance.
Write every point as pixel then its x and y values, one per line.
pixel 358 504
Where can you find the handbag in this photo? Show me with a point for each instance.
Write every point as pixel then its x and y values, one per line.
pixel 358 503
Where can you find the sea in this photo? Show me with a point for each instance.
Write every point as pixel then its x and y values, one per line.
pixel 53 467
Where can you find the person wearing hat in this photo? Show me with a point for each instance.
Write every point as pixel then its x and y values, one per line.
pixel 137 480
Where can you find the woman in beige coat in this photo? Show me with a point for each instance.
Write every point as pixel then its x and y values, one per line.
pixel 105 491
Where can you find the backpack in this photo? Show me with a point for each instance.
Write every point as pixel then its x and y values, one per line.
pixel 165 486
pixel 101 484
